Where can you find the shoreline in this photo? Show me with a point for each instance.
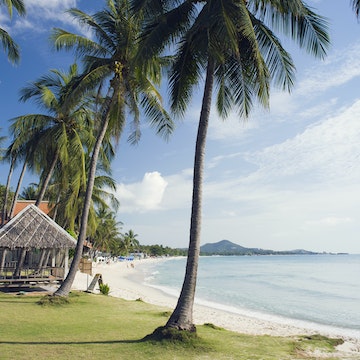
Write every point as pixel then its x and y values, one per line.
pixel 127 282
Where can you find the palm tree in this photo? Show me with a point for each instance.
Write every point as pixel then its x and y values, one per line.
pixel 130 241
pixel 8 44
pixel 30 192
pixel 111 60
pixel 107 232
pixel 18 151
pixel 233 44
pixel 59 136
pixel 7 187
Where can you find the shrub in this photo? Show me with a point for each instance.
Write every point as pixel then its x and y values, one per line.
pixel 104 289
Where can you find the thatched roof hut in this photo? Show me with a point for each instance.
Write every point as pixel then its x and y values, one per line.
pixel 32 243
pixel 32 229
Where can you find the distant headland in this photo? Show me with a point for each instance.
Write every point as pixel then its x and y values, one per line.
pixel 226 247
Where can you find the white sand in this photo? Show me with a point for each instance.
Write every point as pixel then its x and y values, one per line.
pixel 120 278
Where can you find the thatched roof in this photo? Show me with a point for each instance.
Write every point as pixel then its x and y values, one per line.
pixel 31 228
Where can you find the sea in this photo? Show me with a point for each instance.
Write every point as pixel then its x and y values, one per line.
pixel 320 292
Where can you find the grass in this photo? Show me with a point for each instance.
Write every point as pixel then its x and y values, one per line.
pixel 102 327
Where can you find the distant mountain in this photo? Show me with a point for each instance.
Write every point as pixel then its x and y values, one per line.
pixel 226 247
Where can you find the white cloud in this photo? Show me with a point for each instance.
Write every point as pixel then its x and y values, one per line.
pixel 339 68
pixel 305 102
pixel 42 15
pixel 328 151
pixel 331 221
pixel 218 159
pixel 143 196
pixel 179 190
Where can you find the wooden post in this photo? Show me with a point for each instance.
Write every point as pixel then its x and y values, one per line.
pixel 3 257
pixel 53 259
pixel 66 265
pixel 41 261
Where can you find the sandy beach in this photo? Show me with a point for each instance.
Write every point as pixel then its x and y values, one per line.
pixel 126 282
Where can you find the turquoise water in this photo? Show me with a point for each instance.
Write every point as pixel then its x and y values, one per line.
pixel 316 289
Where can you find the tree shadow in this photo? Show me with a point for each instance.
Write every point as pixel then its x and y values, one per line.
pixel 96 342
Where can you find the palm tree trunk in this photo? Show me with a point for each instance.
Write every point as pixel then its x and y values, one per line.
pixel 47 179
pixel 7 190
pixel 182 317
pixel 11 213
pixel 56 207
pixel 17 272
pixel 65 287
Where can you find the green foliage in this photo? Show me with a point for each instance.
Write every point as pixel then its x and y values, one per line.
pixel 160 250
pixel 72 233
pixel 104 289
pixel 310 343
pixel 212 326
pixel 2 197
pixel 71 253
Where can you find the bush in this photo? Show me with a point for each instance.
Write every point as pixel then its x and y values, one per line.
pixel 104 289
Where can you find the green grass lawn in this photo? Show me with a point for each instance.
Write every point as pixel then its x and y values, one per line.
pixel 102 327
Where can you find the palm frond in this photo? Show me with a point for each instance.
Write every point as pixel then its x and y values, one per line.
pixel 9 46
pixel 18 5
pixel 184 74
pixel 159 119
pixel 165 30
pixel 81 45
pixel 278 60
pixel 297 20
pixel 356 6
pixel 92 22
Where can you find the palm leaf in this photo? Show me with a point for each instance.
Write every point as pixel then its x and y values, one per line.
pixel 9 46
pixel 278 60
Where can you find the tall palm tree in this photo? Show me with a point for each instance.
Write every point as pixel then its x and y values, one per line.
pixel 8 44
pixel 232 43
pixel 110 59
pixel 57 137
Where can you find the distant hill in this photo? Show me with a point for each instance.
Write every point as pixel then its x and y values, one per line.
pixel 226 247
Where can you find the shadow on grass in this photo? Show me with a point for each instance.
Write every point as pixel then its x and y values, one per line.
pixel 16 301
pixel 72 342
pixel 160 334
pixel 23 289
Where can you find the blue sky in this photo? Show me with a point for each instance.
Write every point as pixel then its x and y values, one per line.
pixel 286 178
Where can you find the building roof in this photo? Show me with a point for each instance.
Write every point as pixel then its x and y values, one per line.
pixel 22 204
pixel 31 228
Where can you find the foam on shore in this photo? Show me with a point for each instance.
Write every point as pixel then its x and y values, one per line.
pixel 127 282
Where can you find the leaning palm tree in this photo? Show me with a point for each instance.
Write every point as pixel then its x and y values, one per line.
pixel 8 44
pixel 22 149
pixel 110 60
pixel 14 154
pixel 60 132
pixel 233 44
